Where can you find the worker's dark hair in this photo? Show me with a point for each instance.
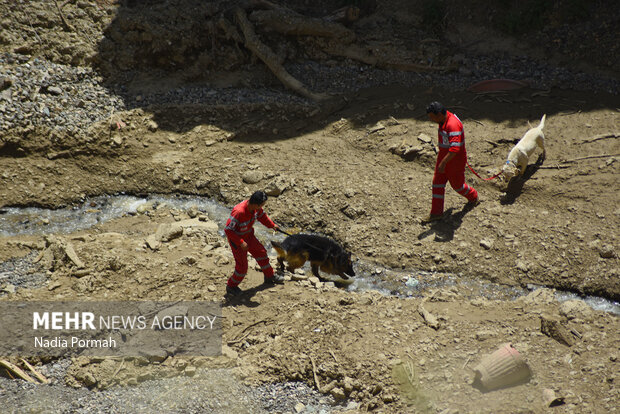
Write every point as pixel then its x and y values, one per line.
pixel 258 198
pixel 436 108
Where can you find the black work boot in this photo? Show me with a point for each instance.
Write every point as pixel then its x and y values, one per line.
pixel 233 291
pixel 276 278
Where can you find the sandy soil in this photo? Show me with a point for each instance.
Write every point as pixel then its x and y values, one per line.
pixel 358 171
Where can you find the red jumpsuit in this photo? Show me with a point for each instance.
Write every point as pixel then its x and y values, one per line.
pixel 239 228
pixel 451 139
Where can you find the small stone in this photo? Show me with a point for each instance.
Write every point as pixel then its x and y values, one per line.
pixel 117 140
pixel 9 288
pixel 522 265
pixel 54 285
pixel 152 126
pixel 348 384
pixel 275 188
pixel 252 177
pixel 54 90
pixel 484 335
pixel 607 252
pixel 425 138
pixel 338 394
pixel 486 243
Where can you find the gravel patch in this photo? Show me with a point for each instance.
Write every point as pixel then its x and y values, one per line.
pixel 37 92
pixel 20 272
pixel 209 391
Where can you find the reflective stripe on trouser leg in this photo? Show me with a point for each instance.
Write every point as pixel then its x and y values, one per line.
pixel 457 181
pixel 259 253
pixel 235 279
pixel 241 267
pixel 439 191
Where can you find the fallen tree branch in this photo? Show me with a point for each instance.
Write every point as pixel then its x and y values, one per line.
pixel 37 374
pixel 229 30
pixel 290 23
pixel 234 341
pixel 120 366
pixel 553 167
pixel 62 17
pixel 590 157
pixel 16 370
pixel 240 338
pixel 316 377
pixel 599 137
pixel 264 53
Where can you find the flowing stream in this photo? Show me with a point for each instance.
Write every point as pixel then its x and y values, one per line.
pixel 401 283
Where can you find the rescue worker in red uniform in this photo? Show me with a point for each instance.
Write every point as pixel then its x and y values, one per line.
pixel 240 233
pixel 451 159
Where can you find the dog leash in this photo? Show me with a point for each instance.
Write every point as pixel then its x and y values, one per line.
pixel 282 231
pixel 477 175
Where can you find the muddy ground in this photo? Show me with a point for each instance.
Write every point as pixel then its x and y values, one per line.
pixel 358 168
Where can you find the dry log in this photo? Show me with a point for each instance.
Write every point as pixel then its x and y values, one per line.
pixel 362 55
pixel 16 370
pixel 290 23
pixel 264 53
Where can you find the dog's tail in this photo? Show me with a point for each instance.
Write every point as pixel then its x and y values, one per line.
pixel 542 122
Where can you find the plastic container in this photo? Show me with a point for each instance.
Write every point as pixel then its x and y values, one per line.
pixel 503 368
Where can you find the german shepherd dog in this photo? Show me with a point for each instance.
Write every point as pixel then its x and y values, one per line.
pixel 322 252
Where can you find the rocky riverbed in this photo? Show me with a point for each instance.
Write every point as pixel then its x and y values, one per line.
pixel 356 167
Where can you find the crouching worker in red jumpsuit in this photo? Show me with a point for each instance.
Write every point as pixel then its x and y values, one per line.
pixel 451 159
pixel 240 232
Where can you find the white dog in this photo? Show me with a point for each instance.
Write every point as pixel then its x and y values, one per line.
pixel 520 154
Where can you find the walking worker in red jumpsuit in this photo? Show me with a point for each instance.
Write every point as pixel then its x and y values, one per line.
pixel 240 232
pixel 451 159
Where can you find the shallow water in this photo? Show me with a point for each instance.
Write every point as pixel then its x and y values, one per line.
pixel 401 283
